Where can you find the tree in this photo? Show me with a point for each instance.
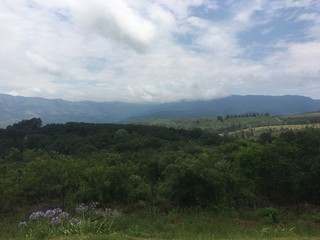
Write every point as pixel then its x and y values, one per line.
pixel 278 174
pixel 153 176
pixel 27 126
pixel 247 162
pixel 51 178
pixel 265 138
pixel 196 182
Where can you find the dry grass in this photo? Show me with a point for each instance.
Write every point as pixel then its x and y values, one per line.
pixel 255 131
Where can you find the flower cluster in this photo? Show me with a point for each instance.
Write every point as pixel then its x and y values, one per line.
pixel 36 215
pixel 57 216
pixel 51 213
pixel 47 214
pixel 54 216
pixel 91 209
pixel 84 208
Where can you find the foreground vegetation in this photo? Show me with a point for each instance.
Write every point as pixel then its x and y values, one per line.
pixel 164 183
pixel 178 224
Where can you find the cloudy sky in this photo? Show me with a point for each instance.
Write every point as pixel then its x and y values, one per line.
pixel 159 50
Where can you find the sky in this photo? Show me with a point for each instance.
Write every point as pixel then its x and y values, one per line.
pixel 159 50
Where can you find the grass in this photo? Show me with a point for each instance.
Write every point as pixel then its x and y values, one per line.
pixel 256 131
pixel 243 126
pixel 311 114
pixel 214 125
pixel 192 224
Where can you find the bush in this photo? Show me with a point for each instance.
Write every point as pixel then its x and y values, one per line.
pixel 268 215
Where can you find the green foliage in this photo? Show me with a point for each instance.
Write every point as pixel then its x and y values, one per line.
pixel 220 118
pixel 155 168
pixel 316 217
pixel 268 215
pixel 279 231
pixel 265 138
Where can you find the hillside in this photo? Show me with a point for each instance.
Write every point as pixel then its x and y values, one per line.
pixel 229 123
pixel 15 109
pixel 73 180
pixel 275 105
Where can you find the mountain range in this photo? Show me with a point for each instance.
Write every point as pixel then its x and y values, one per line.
pixel 16 108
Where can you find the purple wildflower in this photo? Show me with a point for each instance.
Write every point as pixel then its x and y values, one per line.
pixel 93 206
pixel 63 215
pixel 109 211
pixel 74 221
pixel 55 220
pixel 22 224
pixel 36 215
pixel 49 214
pixel 82 208
pixel 57 210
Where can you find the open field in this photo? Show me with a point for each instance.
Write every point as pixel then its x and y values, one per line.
pixel 256 131
pixel 240 124
pixel 312 114
pixel 214 125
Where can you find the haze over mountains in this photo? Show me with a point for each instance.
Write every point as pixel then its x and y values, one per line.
pixel 14 109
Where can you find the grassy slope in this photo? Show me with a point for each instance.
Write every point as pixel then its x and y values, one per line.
pixel 312 114
pixel 212 124
pixel 258 124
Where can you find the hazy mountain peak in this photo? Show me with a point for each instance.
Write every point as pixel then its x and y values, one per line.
pixel 16 108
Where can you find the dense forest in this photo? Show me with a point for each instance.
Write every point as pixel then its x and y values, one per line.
pixel 138 167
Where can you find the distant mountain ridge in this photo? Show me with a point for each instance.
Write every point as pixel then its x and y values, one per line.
pixel 15 108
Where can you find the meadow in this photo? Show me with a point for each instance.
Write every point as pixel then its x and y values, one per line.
pixel 245 125
pixel 186 224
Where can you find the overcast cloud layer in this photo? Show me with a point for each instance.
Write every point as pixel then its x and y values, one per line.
pixel 159 50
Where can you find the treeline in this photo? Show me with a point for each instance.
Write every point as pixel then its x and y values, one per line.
pixel 146 166
pixel 245 115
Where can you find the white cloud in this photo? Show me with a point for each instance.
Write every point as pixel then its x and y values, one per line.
pixel 297 3
pixel 314 19
pixel 110 19
pixel 150 50
pixel 165 19
pixel 305 57
pixel 244 12
pixel 42 64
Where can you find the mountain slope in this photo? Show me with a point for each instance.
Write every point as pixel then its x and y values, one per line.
pixel 14 109
pixel 276 105
pixel 17 108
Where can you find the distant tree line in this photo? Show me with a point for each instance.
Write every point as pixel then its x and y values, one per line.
pixel 243 115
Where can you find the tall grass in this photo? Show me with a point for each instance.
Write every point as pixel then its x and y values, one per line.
pixel 187 224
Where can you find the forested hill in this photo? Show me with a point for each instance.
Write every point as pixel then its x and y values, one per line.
pixel 140 166
pixel 14 109
pixel 275 105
